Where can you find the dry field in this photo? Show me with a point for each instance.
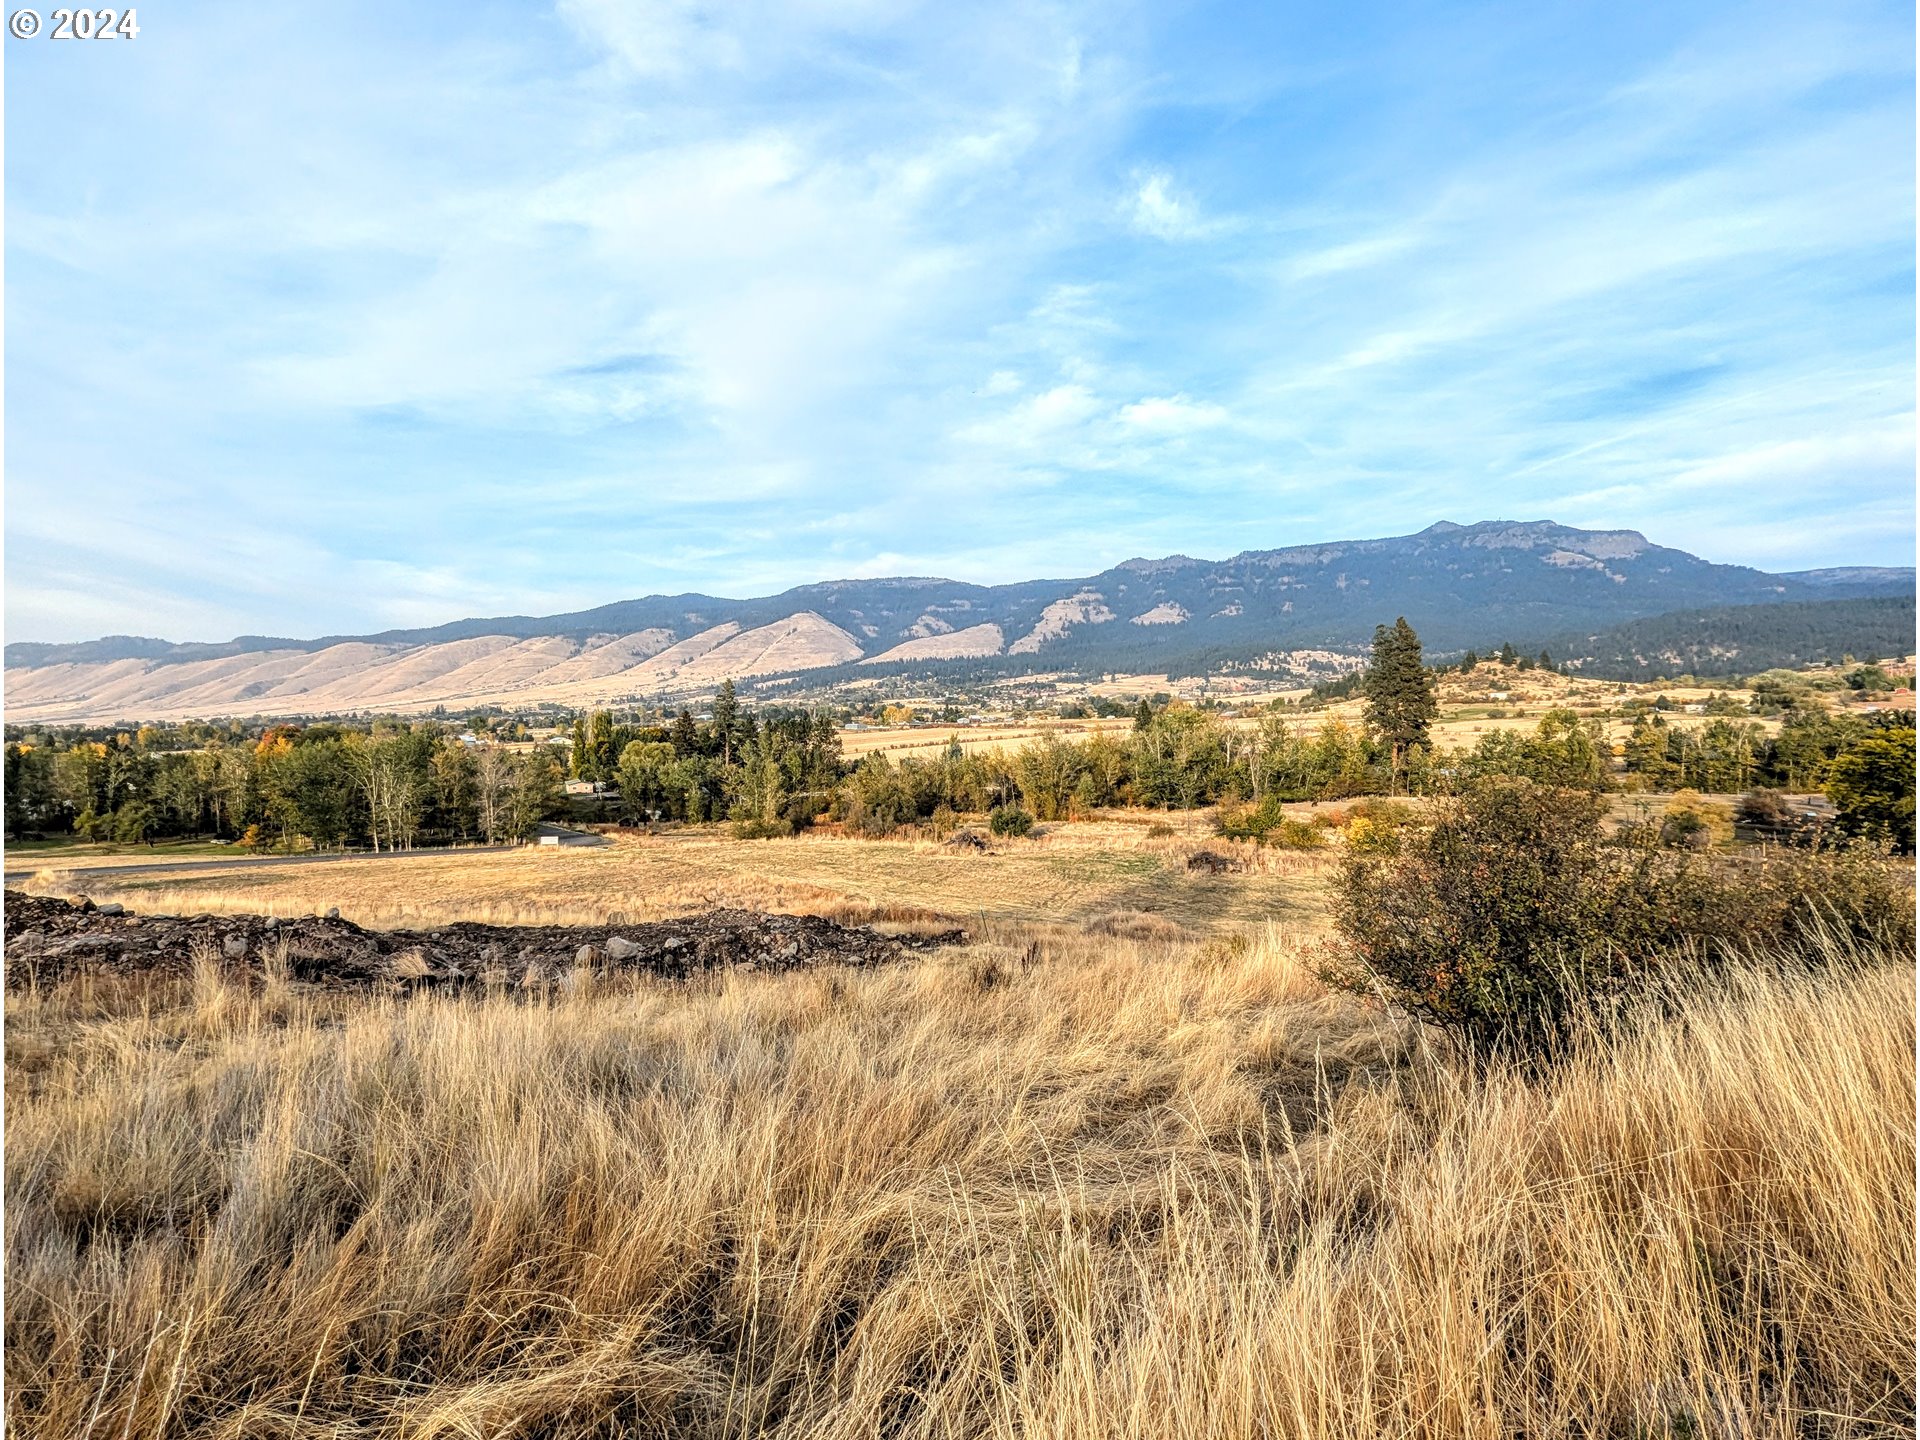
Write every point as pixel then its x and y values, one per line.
pixel 931 741
pixel 1120 1166
pixel 1072 872
pixel 1463 715
pixel 1057 1183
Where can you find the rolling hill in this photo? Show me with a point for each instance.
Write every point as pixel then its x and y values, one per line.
pixel 1743 639
pixel 1294 611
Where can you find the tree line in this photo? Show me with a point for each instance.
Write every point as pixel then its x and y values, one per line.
pixel 776 770
pixel 389 788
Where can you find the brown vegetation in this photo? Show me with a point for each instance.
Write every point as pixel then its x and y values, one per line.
pixel 1043 1185
pixel 1066 872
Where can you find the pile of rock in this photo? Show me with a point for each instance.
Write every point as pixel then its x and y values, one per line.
pixel 1212 862
pixel 50 939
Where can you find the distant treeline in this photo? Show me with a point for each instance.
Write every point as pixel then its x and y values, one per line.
pixel 775 771
pixel 1742 639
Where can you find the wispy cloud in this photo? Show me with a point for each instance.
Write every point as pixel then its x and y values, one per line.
pixel 1156 208
pixel 1172 414
pixel 413 313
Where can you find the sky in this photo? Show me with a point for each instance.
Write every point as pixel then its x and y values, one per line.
pixel 332 318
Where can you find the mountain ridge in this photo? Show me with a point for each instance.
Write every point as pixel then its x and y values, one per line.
pixel 1460 584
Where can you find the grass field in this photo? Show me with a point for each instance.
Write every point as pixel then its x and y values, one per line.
pixel 1466 713
pixel 1073 873
pixel 1051 1184
pixel 1120 1165
pixel 931 741
pixel 34 854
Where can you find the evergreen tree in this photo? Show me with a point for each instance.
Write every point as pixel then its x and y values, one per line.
pixel 1507 655
pixel 726 721
pixel 1546 662
pixel 1399 691
pixel 1646 754
pixel 1468 662
pixel 686 739
pixel 1142 715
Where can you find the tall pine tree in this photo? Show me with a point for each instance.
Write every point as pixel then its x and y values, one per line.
pixel 1400 701
pixel 726 722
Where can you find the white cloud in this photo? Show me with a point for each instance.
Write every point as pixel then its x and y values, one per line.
pixel 1353 254
pixel 675 38
pixel 1155 209
pixel 1172 415
pixel 1037 420
pixel 654 37
pixel 1806 461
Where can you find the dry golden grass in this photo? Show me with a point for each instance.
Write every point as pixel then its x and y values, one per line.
pixel 1071 873
pixel 932 741
pixel 1050 1185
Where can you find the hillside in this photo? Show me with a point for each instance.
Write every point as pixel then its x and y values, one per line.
pixel 1295 611
pixel 1743 639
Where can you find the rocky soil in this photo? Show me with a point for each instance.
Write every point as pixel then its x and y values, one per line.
pixel 51 939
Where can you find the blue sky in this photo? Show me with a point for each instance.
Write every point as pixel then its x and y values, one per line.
pixel 336 317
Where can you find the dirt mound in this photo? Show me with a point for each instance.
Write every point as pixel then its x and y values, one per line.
pixel 1213 862
pixel 49 939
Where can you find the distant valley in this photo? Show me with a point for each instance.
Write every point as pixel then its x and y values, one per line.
pixel 1299 613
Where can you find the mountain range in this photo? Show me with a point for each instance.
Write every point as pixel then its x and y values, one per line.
pixel 1300 612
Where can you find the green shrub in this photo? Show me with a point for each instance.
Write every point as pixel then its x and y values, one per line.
pixel 1268 824
pixel 1376 826
pixel 1010 820
pixel 1247 822
pixel 762 829
pixel 1292 834
pixel 1692 822
pixel 1511 919
pixel 874 824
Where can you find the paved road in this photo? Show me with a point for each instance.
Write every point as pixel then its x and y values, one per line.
pixel 15 877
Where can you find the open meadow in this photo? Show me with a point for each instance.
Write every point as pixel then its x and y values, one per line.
pixel 1073 872
pixel 1122 1163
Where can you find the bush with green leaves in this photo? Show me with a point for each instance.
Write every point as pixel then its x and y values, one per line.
pixel 1871 784
pixel 1010 820
pixel 1268 824
pixel 762 829
pixel 1692 822
pixel 1513 917
pixel 1292 834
